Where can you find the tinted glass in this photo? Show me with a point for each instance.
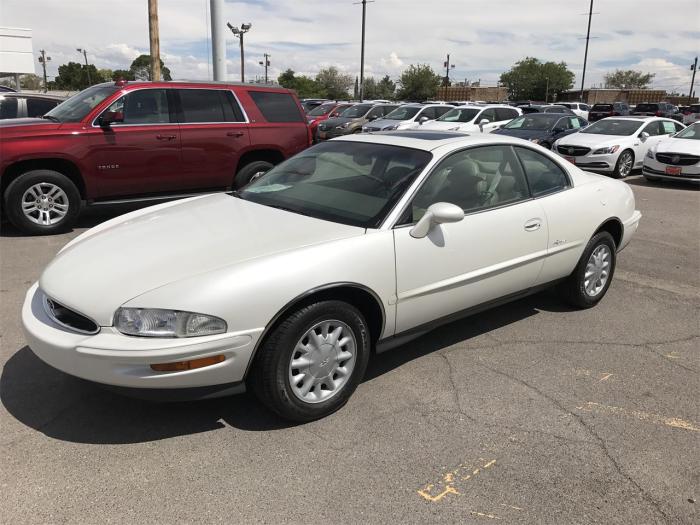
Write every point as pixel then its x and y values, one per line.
pixel 201 105
pixel 323 109
pixel 611 126
pixel 376 112
pixel 691 132
pixel 536 121
pixel 8 107
pixel 352 183
pixel 647 108
pixel 459 115
pixel 277 107
pixel 602 107
pixel 37 107
pixel 428 113
pixel 145 106
pixel 668 127
pixel 77 107
pixel 403 113
pixel 473 179
pixel 505 114
pixel 543 174
pixel 653 128
pixel 440 111
pixel 358 110
pixel 488 114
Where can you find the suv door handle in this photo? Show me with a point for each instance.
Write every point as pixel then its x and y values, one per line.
pixel 533 225
pixel 234 134
pixel 165 137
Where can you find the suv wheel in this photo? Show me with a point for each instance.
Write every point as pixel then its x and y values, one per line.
pixel 250 172
pixel 311 363
pixel 41 202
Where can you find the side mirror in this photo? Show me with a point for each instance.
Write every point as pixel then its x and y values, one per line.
pixel 438 213
pixel 644 136
pixel 423 119
pixel 482 123
pixel 110 117
pixel 372 117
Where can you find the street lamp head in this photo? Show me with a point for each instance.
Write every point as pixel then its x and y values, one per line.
pixel 79 50
pixel 246 27
pixel 228 24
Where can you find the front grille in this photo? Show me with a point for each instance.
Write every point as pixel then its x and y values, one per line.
pixel 574 151
pixel 678 159
pixel 69 318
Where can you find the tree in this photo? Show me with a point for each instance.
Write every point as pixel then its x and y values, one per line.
pixel 418 82
pixel 334 84
pixel 105 75
pixel 122 74
pixel 74 76
pixel 141 68
pixel 356 89
pixel 29 81
pixel 370 89
pixel 628 79
pixel 530 79
pixel 304 86
pixel 386 88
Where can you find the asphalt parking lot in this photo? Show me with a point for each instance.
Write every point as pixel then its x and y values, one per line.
pixel 530 413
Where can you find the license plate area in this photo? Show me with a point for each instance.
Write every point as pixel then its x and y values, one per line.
pixel 570 159
pixel 673 170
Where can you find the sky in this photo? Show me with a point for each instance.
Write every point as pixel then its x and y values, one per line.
pixel 484 38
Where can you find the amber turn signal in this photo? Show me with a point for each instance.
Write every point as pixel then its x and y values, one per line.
pixel 188 365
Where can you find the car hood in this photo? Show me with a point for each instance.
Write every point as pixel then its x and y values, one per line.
pixel 673 145
pixel 100 271
pixel 8 125
pixel 383 123
pixel 591 139
pixel 332 122
pixel 434 124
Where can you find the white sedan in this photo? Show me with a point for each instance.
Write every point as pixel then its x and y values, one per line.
pixel 355 244
pixel 676 157
pixel 615 145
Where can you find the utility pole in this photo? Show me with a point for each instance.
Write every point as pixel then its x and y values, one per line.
pixel 546 91
pixel 218 42
pixel 362 49
pixel 87 68
pixel 43 59
pixel 694 67
pixel 154 36
pixel 265 63
pixel 585 55
pixel 447 66
pixel 238 33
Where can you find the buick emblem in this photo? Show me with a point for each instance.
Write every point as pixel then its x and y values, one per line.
pixel 571 151
pixel 676 159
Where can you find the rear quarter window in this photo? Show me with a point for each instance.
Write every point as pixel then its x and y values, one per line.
pixel 277 107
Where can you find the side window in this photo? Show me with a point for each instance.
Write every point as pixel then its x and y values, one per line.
pixel 505 114
pixel 668 127
pixel 488 114
pixel 585 107
pixel 574 122
pixel 375 113
pixel 37 107
pixel 678 126
pixel 277 107
pixel 8 107
pixel 441 111
pixel 581 122
pixel 201 105
pixel 428 112
pixel 473 179
pixel 652 128
pixel 563 123
pixel 145 106
pixel 543 174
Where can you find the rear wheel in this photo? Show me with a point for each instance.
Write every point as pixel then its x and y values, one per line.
pixel 41 202
pixel 625 163
pixel 589 282
pixel 250 172
pixel 311 363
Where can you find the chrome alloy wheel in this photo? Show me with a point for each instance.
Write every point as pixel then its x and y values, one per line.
pixel 45 203
pixel 597 270
pixel 322 361
pixel 625 167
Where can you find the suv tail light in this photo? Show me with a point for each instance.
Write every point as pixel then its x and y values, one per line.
pixel 658 113
pixel 309 135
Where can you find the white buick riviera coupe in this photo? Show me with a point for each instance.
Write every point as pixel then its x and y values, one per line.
pixel 354 245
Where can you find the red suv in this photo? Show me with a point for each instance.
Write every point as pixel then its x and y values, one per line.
pixel 143 141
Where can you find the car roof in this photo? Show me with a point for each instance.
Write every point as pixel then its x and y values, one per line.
pixel 537 114
pixel 24 94
pixel 424 140
pixel 640 118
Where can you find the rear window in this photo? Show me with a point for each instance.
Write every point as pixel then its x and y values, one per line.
pixel 8 107
pixel 37 107
pixel 645 108
pixel 695 108
pixel 602 107
pixel 277 107
pixel 209 105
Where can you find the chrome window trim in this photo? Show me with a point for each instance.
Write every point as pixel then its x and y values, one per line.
pixel 245 120
pixel 49 312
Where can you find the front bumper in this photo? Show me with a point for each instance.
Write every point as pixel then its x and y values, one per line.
pixel 603 163
pixel 112 358
pixel 332 133
pixel 655 169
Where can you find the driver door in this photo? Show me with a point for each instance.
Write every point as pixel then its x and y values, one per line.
pixel 497 250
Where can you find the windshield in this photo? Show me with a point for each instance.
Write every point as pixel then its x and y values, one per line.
pixel 403 113
pixel 460 115
pixel 353 183
pixel 537 121
pixel 78 106
pixel 610 126
pixel 691 132
pixel 358 110
pixel 602 107
pixel 323 109
pixel 647 108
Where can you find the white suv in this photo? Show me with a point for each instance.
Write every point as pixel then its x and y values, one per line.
pixel 407 116
pixel 472 118
pixel 579 108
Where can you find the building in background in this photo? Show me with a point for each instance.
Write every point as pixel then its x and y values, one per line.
pixel 16 53
pixel 492 94
pixel 631 96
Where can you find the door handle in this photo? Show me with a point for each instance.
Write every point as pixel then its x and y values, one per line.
pixel 165 137
pixel 234 134
pixel 533 225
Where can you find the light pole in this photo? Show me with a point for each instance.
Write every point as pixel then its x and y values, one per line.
pixel 585 54
pixel 694 67
pixel 446 64
pixel 238 33
pixel 87 69
pixel 265 63
pixel 43 59
pixel 546 91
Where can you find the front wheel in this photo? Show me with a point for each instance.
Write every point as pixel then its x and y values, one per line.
pixel 251 172
pixel 42 202
pixel 624 165
pixel 591 278
pixel 311 363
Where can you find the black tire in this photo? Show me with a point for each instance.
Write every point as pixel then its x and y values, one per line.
pixel 269 377
pixel 250 171
pixel 15 193
pixel 573 289
pixel 616 174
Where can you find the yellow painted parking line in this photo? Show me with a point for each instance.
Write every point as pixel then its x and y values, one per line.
pixel 673 422
pixel 435 492
pixel 483 515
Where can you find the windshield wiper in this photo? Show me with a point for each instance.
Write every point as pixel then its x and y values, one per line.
pixel 51 118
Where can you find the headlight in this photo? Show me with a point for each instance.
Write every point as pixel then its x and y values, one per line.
pixel 365 129
pixel 155 322
pixel 650 153
pixel 608 149
pixel 343 126
pixel 392 127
